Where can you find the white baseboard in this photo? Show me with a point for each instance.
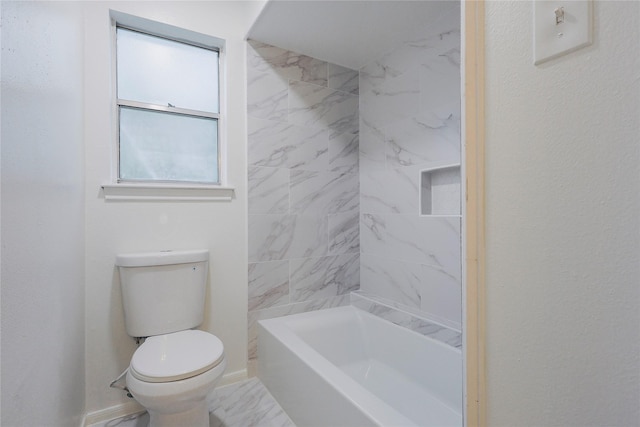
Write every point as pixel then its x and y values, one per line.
pixel 233 377
pixel 124 409
pixel 132 407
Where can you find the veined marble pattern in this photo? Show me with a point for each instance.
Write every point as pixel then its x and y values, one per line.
pixel 427 288
pixel 303 229
pixel 392 100
pixel 133 420
pixel 395 63
pixel 268 190
pixel 264 58
pixel 344 233
pixel 447 20
pixel 313 105
pixel 371 147
pixel 244 404
pixel 343 79
pixel 392 190
pixel 395 313
pixel 268 284
pixel 284 145
pixel 411 54
pixel 267 96
pixel 269 71
pixel 441 295
pixel 440 81
pixel 410 121
pixel 344 162
pixel 420 240
pixel 343 153
pixel 376 73
pixel 323 193
pixel 316 278
pixel 280 237
pixel 395 280
pixel 431 39
pixel 425 140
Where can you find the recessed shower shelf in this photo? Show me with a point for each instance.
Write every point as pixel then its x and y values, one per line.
pixel 440 190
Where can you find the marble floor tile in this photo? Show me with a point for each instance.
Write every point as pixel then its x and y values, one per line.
pixel 248 404
pixel 135 420
pixel 244 404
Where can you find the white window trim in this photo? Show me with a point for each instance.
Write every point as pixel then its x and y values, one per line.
pixel 151 191
pixel 167 192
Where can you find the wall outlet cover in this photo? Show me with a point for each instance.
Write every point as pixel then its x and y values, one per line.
pixel 560 27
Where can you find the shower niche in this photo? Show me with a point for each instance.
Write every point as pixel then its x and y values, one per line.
pixel 440 191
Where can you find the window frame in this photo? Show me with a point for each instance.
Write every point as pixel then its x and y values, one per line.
pixel 156 189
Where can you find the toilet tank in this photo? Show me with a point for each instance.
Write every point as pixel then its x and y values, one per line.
pixel 163 292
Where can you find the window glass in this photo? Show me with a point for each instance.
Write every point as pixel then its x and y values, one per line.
pixel 162 146
pixel 164 72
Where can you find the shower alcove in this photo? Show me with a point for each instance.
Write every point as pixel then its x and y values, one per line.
pixel 354 127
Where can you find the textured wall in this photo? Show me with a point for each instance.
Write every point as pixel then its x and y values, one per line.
pixel 410 121
pixel 42 215
pixel 563 234
pixel 303 184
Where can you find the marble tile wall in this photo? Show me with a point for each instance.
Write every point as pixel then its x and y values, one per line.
pixel 410 121
pixel 303 184
pixel 407 318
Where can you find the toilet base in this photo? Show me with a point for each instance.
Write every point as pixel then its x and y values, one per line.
pixel 183 403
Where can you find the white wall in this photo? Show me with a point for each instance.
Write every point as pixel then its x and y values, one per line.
pixel 135 226
pixel 563 234
pixel 42 215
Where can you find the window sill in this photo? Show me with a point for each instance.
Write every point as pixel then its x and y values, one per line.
pixel 167 192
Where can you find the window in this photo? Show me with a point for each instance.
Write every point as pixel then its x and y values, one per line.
pixel 168 106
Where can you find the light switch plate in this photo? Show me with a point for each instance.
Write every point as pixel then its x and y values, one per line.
pixel 552 39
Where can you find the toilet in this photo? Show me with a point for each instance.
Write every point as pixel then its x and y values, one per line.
pixel 174 371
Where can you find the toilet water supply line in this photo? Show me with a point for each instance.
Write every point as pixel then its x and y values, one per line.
pixel 139 340
pixel 121 387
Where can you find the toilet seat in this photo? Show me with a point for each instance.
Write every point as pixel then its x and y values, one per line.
pixel 176 356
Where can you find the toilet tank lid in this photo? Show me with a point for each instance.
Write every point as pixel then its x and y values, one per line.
pixel 145 259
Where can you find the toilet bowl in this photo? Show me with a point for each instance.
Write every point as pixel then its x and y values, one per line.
pixel 174 371
pixel 174 375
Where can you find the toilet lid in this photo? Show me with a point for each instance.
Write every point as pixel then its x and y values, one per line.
pixel 176 356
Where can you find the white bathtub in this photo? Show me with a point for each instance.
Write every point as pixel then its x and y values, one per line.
pixel 346 367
